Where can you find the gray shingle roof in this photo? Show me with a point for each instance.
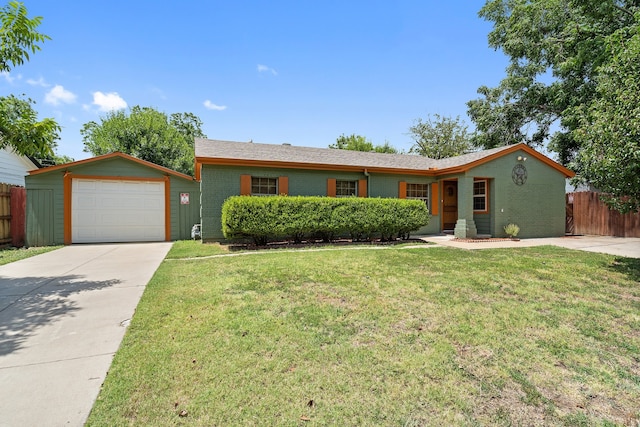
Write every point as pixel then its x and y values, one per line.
pixel 215 149
pixel 465 159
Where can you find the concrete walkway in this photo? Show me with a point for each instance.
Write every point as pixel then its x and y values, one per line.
pixel 621 246
pixel 62 317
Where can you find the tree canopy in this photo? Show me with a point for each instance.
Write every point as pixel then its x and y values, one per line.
pixel 360 143
pixel 19 127
pixel 440 137
pixel 556 49
pixel 147 134
pixel 609 127
pixel 18 34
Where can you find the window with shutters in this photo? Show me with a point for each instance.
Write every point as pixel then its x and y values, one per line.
pixel 264 186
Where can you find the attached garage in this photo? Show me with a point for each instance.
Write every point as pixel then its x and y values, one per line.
pixel 112 198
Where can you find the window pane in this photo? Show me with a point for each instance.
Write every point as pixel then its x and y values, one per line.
pixel 418 191
pixel 264 186
pixel 480 196
pixel 479 187
pixel 346 188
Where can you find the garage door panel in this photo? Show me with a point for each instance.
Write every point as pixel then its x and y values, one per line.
pixel 153 204
pixel 85 185
pixel 127 203
pixel 86 220
pixel 86 203
pixel 117 211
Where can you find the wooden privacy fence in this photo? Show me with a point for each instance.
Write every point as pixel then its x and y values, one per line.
pixel 12 215
pixel 586 214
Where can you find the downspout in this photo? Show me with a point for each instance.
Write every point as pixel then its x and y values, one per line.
pixel 366 173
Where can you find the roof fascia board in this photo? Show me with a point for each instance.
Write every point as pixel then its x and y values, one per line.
pixel 310 166
pixel 115 154
pixel 530 151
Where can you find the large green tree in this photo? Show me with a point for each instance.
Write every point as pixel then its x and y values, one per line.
pixel 609 128
pixel 19 126
pixel 440 137
pixel 360 143
pixel 556 49
pixel 147 134
pixel 21 130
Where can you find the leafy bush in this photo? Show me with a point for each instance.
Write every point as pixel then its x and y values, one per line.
pixel 294 218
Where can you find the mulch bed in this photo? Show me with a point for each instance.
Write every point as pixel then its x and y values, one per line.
pixel 487 240
pixel 320 243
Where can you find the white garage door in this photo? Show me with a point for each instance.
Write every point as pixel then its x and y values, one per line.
pixel 117 211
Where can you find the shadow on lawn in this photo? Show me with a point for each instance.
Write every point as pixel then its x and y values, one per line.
pixel 628 266
pixel 29 303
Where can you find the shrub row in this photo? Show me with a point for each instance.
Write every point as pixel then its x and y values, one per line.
pixel 295 218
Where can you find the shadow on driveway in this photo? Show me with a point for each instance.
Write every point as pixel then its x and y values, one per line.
pixel 29 303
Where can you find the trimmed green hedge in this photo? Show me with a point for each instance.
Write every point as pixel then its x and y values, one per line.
pixel 284 217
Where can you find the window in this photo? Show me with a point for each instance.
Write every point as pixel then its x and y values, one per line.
pixel 418 191
pixel 480 196
pixel 346 188
pixel 264 186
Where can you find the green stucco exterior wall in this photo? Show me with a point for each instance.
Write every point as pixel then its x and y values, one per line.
pixel 537 206
pixel 221 182
pixel 45 198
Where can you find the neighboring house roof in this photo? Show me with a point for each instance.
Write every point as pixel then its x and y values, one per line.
pixel 116 154
pixel 14 167
pixel 209 151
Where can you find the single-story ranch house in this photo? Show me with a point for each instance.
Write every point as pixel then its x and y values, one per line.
pixel 118 198
pixel 477 193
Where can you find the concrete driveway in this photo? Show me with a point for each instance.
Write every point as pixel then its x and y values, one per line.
pixel 62 317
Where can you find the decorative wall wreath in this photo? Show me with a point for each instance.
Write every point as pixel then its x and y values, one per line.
pixel 519 174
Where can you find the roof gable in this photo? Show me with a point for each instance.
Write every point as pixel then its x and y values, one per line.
pixel 116 154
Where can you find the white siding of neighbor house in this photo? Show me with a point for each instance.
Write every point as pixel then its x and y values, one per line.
pixel 13 167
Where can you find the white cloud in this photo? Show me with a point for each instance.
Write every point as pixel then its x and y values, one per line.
pixel 108 101
pixel 158 92
pixel 265 69
pixel 211 106
pixel 39 82
pixel 8 77
pixel 59 95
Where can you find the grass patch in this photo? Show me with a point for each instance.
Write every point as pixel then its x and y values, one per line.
pixel 195 249
pixel 406 337
pixel 16 254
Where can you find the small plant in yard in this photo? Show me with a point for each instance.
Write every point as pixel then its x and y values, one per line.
pixel 512 230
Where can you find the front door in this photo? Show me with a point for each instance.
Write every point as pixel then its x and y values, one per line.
pixel 449 204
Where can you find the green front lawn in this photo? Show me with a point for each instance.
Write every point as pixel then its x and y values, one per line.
pixel 16 254
pixel 395 336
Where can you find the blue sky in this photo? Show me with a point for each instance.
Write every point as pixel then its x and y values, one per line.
pixel 300 72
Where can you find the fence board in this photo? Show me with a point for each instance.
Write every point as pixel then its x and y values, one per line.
pixel 18 215
pixel 592 216
pixel 5 214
